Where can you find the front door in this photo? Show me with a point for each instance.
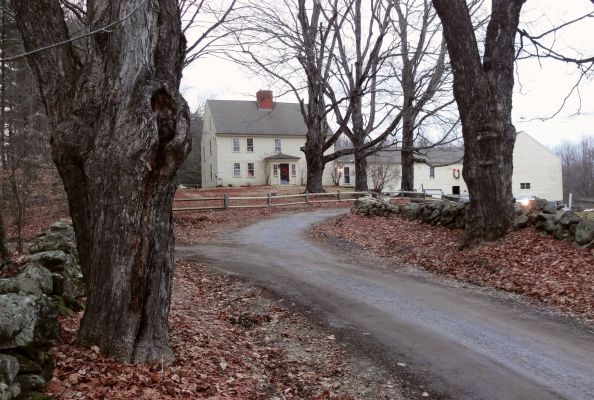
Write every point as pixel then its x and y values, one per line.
pixel 284 174
pixel 347 176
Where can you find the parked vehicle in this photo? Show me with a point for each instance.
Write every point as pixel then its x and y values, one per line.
pixel 525 199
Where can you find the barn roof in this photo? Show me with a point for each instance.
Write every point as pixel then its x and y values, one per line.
pixel 432 157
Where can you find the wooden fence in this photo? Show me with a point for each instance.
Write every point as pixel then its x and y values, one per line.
pixel 227 202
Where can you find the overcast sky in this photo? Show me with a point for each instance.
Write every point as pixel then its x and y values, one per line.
pixel 539 91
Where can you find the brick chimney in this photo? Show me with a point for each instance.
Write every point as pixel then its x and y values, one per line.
pixel 264 99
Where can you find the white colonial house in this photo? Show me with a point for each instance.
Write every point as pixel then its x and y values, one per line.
pixel 253 143
pixel 537 171
pixel 258 143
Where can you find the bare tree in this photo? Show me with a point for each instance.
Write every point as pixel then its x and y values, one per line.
pixel 483 91
pixel 24 149
pixel 382 174
pixel 296 45
pixel 363 48
pixel 203 22
pixel 577 159
pixel 119 134
pixel 483 87
pixel 336 173
pixel 424 79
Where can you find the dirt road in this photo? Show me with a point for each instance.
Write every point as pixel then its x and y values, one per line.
pixel 470 343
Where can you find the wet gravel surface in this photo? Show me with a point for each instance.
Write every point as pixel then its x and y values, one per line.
pixel 470 344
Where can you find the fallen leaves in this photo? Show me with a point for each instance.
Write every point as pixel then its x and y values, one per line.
pixel 527 262
pixel 230 342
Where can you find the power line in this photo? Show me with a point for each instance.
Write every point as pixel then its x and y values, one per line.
pixel 102 29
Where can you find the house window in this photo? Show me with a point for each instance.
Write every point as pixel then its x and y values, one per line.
pixel 293 170
pixel 236 144
pixel 250 169
pixel 277 145
pixel 432 172
pixel 274 169
pixel 347 175
pixel 210 146
pixel 525 185
pixel 236 169
pixel 250 145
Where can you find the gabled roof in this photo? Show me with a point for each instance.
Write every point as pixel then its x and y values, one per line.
pixel 280 156
pixel 432 157
pixel 245 118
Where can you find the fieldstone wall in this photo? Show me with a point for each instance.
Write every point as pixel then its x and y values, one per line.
pixel 49 283
pixel 446 213
pixel 563 225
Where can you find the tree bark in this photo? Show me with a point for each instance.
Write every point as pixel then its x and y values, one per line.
pixel 361 173
pixel 358 140
pixel 483 92
pixel 119 134
pixel 314 159
pixel 407 182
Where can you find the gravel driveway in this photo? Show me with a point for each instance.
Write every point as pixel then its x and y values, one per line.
pixel 471 344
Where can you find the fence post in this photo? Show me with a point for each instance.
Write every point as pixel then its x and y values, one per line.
pixel 226 201
pixel 269 199
pixel 306 197
pixel 339 196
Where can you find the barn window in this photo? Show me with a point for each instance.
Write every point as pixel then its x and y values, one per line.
pixel 525 185
pixel 432 172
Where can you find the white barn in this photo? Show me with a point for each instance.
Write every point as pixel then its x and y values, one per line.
pixel 254 143
pixel 537 171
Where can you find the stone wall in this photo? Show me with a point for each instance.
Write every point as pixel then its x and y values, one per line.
pixel 563 225
pixel 49 283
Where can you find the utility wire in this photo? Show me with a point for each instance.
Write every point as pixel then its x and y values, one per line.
pixel 103 29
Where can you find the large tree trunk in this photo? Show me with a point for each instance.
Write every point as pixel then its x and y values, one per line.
pixel 120 132
pixel 483 91
pixel 358 140
pixel 360 173
pixel 315 166
pixel 407 157
pixel 488 168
